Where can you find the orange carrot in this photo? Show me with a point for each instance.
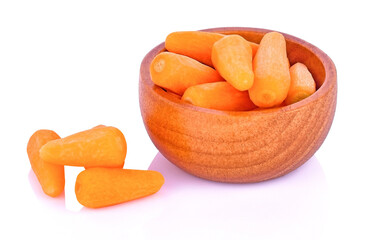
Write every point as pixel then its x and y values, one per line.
pixel 176 72
pixel 96 147
pixel 302 84
pixel 51 177
pixel 271 70
pixel 232 58
pixel 99 126
pixel 194 44
pixel 197 44
pixel 101 187
pixel 254 48
pixel 219 96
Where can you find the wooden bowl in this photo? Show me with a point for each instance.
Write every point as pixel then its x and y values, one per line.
pixel 240 147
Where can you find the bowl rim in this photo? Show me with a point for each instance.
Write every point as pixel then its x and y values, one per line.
pixel 329 82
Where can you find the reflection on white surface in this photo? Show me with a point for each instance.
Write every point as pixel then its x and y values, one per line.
pixel 67 200
pixel 56 202
pixel 292 206
pixel 71 203
pixel 187 207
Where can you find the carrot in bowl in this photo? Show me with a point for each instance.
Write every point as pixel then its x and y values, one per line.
pixel 176 72
pixel 271 70
pixel 302 84
pixel 196 44
pixel 232 58
pixel 219 96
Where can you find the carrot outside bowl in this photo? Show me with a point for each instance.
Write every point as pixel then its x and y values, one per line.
pixel 240 147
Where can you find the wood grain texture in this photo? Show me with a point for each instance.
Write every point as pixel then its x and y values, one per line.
pixel 241 147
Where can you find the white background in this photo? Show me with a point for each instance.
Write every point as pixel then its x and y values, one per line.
pixel 71 65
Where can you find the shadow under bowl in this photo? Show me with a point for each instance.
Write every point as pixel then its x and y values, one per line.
pixel 239 147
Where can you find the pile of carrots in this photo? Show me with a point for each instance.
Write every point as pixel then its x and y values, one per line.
pixel 102 151
pixel 227 72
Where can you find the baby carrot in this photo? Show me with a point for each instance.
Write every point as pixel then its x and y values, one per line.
pixel 176 72
pixel 302 84
pixel 271 70
pixel 101 187
pixel 219 96
pixel 194 44
pixel 97 147
pixel 232 58
pixel 51 177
